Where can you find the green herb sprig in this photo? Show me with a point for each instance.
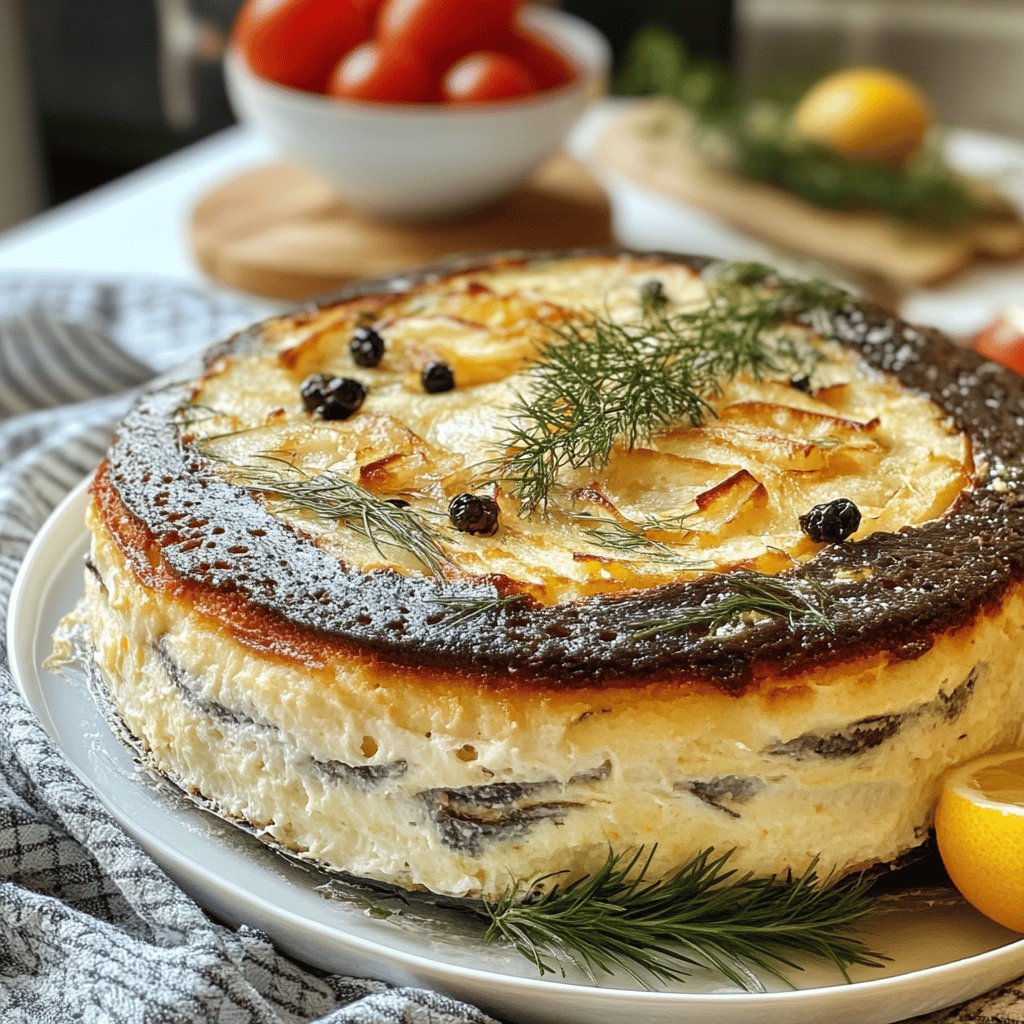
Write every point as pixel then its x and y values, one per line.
pixel 189 414
pixel 705 914
pixel 460 608
pixel 753 594
pixel 632 541
pixel 328 495
pixel 756 140
pixel 599 383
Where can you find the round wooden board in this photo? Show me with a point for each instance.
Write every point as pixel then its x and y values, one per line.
pixel 281 232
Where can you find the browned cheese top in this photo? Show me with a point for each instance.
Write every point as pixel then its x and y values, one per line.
pixel 924 437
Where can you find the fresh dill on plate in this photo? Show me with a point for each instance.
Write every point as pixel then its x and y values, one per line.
pixel 755 139
pixel 705 914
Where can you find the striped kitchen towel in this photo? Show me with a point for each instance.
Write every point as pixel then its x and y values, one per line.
pixel 90 928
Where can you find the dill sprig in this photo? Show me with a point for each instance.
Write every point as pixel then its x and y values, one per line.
pixel 190 413
pixel 753 594
pixel 459 608
pixel 599 383
pixel 632 540
pixel 328 495
pixel 704 914
pixel 756 139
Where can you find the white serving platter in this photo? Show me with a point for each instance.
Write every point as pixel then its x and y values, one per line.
pixel 942 953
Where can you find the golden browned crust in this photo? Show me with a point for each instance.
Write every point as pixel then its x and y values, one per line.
pixel 213 542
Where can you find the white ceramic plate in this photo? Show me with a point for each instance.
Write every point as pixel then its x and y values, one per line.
pixel 941 955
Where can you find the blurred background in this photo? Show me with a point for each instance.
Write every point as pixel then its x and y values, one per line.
pixel 92 89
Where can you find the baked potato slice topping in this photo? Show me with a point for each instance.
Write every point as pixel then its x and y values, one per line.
pixel 690 499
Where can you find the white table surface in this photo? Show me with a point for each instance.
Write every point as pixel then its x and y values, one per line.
pixel 136 224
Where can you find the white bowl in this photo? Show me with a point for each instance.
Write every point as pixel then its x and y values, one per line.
pixel 417 162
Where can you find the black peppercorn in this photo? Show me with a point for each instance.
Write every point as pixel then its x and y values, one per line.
pixel 801 383
pixel 367 347
pixel 831 522
pixel 332 398
pixel 312 390
pixel 437 377
pixel 474 513
pixel 652 293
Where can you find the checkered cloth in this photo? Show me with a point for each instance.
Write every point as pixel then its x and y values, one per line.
pixel 91 929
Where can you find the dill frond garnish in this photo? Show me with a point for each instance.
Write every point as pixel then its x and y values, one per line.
pixel 632 541
pixel 703 915
pixel 189 413
pixel 753 594
pixel 329 495
pixel 599 383
pixel 467 607
pixel 755 139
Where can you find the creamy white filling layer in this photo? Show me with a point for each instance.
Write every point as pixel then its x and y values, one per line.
pixel 452 791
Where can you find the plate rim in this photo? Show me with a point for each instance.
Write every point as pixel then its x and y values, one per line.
pixel 22 627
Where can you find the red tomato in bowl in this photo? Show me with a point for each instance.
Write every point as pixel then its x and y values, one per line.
pixel 484 77
pixel 398 51
pixel 445 30
pixel 548 66
pixel 298 42
pixel 384 74
pixel 370 10
pixel 1003 341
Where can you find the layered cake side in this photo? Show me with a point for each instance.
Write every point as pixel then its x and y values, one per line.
pixel 390 623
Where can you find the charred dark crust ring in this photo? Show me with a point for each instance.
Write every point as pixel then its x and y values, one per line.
pixel 917 584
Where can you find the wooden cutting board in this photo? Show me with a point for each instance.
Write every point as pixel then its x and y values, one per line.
pixel 649 145
pixel 281 232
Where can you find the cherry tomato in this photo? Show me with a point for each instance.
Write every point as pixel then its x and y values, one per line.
pixel 370 10
pixel 1003 341
pixel 298 42
pixel 549 67
pixel 445 30
pixel 486 76
pixel 384 74
pixel 244 21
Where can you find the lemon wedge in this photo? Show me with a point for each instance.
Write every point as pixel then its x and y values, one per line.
pixel 865 114
pixel 979 825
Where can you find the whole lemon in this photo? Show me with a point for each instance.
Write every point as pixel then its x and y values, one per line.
pixel 865 114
